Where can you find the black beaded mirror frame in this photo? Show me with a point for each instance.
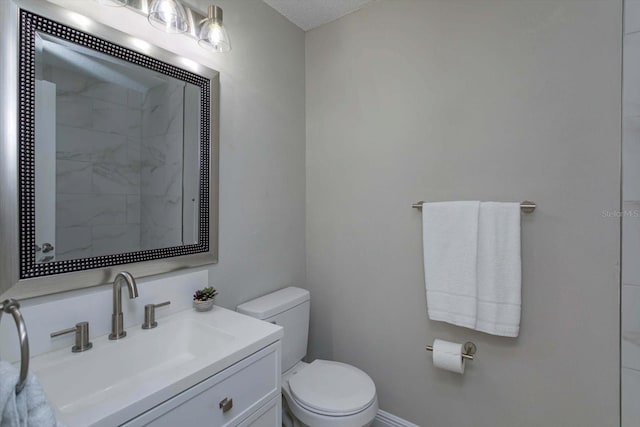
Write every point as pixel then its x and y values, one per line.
pixel 29 24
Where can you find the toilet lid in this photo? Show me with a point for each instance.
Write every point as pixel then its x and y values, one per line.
pixel 332 388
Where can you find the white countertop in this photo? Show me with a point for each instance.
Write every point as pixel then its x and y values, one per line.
pixel 118 380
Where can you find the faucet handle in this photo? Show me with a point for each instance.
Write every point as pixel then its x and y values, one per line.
pixel 82 336
pixel 150 314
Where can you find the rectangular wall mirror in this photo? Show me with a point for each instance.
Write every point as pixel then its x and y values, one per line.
pixel 115 153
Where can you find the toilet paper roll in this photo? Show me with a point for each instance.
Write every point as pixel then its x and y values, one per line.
pixel 448 355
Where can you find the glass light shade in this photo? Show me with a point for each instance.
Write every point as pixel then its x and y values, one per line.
pixel 116 3
pixel 213 35
pixel 168 15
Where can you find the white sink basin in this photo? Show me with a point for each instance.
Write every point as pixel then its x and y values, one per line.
pixel 110 370
pixel 116 380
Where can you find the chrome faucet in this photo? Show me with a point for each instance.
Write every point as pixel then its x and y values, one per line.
pixel 117 324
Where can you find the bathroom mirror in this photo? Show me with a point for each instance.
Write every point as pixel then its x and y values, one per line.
pixel 115 154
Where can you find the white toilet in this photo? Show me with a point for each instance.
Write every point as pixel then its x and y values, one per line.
pixel 317 394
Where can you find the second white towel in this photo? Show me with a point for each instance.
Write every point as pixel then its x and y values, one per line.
pixel 499 269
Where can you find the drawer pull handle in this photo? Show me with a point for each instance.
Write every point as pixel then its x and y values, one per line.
pixel 226 404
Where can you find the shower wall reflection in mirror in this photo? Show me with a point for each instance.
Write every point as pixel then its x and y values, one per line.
pixel 117 167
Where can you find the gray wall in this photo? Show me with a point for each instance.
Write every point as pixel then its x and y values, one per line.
pixel 262 140
pixel 451 100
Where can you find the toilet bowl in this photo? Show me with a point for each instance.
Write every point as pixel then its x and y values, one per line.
pixel 329 394
pixel 322 393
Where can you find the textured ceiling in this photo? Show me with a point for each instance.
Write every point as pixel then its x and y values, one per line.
pixel 308 14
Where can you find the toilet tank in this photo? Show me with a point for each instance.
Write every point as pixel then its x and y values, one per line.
pixel 289 308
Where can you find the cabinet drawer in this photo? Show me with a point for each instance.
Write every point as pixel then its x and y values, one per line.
pixel 246 386
pixel 267 416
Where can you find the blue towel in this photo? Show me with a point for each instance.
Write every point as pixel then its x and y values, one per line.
pixel 29 408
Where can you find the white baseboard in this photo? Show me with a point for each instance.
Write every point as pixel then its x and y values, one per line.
pixel 385 419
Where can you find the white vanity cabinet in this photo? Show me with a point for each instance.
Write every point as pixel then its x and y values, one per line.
pixel 246 394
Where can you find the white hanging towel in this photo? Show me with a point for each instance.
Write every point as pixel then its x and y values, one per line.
pixel 450 239
pixel 30 407
pixel 499 269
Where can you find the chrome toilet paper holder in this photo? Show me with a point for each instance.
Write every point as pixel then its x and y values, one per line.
pixel 469 349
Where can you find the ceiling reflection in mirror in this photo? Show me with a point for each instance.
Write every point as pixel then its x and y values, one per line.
pixel 119 159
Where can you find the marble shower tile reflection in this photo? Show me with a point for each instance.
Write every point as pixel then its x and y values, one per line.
pixel 161 179
pixel 112 239
pixel 112 149
pixel 133 152
pixel 74 143
pixel 105 91
pixel 165 211
pixel 162 149
pixel 73 177
pixel 89 209
pixel 135 99
pixel 162 166
pixel 160 94
pixel 162 111
pixel 74 210
pixel 109 178
pixel 134 124
pixel 160 221
pixel 110 117
pixel 116 167
pixel 133 209
pixel 70 83
pixel 103 129
pixel 75 111
pixel 164 180
pixel 73 243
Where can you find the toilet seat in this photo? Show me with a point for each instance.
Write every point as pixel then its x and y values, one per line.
pixel 332 388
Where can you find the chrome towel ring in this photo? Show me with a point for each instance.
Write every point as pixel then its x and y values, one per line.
pixel 12 307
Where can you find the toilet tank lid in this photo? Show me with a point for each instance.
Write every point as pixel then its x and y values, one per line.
pixel 274 303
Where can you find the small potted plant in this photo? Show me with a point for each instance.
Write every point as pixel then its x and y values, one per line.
pixel 203 299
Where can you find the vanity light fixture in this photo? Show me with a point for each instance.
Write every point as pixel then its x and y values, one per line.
pixel 213 35
pixel 169 16
pixel 176 17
